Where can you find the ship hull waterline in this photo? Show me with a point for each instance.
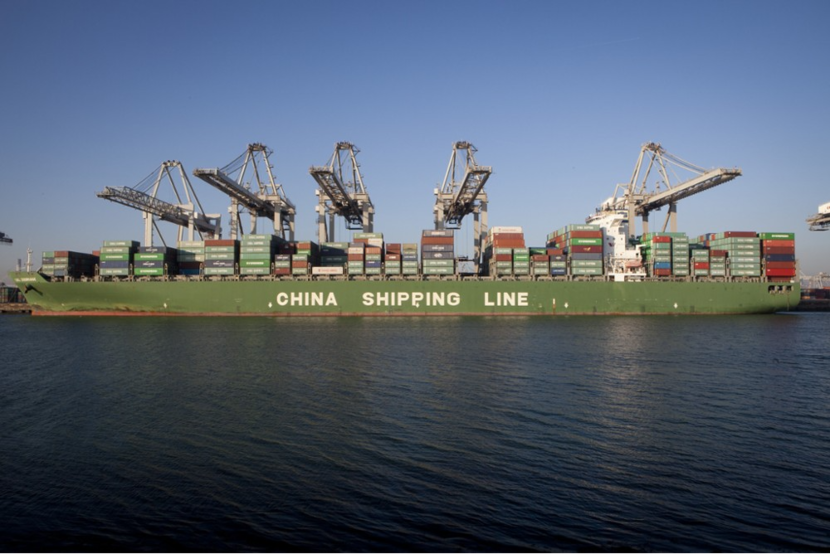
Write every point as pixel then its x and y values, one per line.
pixel 385 298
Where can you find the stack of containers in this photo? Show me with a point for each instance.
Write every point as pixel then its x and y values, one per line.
pixel 333 258
pixel 221 256
pixel 701 264
pixel 155 261
pixel 394 254
pixel 256 253
pixel 657 253
pixel 779 255
pixel 66 263
pixel 356 258
pixel 334 254
pixel 583 247
pixel 499 250
pixel 521 261
pixel 282 258
pixel 372 251
pixel 117 257
pixel 409 258
pixel 438 252
pixel 558 261
pixel 305 256
pixel 540 261
pixel 680 255
pixel 190 256
pixel 743 250
pixel 717 263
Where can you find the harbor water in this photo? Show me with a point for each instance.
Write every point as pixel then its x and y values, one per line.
pixel 415 434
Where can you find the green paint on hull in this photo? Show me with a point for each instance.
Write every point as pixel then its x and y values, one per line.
pixel 403 298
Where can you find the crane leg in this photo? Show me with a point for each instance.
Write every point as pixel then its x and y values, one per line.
pixel 645 223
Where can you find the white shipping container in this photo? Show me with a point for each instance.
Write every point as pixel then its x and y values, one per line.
pixel 824 208
pixel 503 229
pixel 323 270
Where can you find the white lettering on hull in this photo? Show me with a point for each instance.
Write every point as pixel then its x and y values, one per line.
pixel 506 299
pixel 414 299
pixel 306 299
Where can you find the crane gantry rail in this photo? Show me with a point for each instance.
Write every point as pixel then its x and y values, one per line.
pixel 342 193
pixel 267 200
pixel 144 198
pixel 462 194
pixel 637 201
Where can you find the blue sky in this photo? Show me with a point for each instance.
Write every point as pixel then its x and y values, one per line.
pixel 558 97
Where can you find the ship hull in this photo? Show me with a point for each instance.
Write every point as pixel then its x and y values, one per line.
pixel 403 298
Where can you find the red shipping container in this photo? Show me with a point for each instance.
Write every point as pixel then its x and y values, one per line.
pixel 393 248
pixel 586 249
pixel 282 271
pixel 740 234
pixel 701 265
pixel 299 263
pixel 504 257
pixel 509 243
pixel 220 242
pixel 778 250
pixel 437 240
pixel 662 272
pixel 781 272
pixel 374 250
pixel 355 257
pixel 586 234
pixel 718 253
pixel 61 253
pixel 780 265
pixel 784 243
pixel 540 258
pixel 556 252
pixel 509 236
pixel 660 239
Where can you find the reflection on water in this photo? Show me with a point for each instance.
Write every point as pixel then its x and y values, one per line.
pixel 658 433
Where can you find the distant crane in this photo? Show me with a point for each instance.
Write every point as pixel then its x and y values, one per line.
pixel 5 239
pixel 637 201
pixel 342 193
pixel 462 193
pixel 821 220
pixel 267 200
pixel 144 197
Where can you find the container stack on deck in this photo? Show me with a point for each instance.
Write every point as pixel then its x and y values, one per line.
pixel 256 253
pixel 779 255
pixel 155 261
pixel 66 263
pixel 582 246
pixel 117 257
pixel 372 244
pixel 438 252
pixel 190 256
pixel 221 256
pixel 500 248
pixel 392 263
pixel 668 254
pixel 409 258
pixel 306 255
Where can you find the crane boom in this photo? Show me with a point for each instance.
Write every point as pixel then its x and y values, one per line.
pixel 342 193
pixel 821 220
pixel 635 198
pixel 182 214
pixel 269 200
pixel 463 194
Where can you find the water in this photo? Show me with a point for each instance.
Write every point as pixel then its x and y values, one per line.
pixel 449 434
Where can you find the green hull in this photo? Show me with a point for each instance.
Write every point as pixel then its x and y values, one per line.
pixel 404 298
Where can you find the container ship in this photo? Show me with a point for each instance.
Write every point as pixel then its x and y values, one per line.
pixel 594 268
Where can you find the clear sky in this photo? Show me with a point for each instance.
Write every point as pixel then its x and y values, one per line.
pixel 558 97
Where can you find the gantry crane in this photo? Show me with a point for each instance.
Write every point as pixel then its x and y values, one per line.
pixel 144 197
pixel 462 194
pixel 267 200
pixel 342 193
pixel 821 220
pixel 634 197
pixel 5 239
